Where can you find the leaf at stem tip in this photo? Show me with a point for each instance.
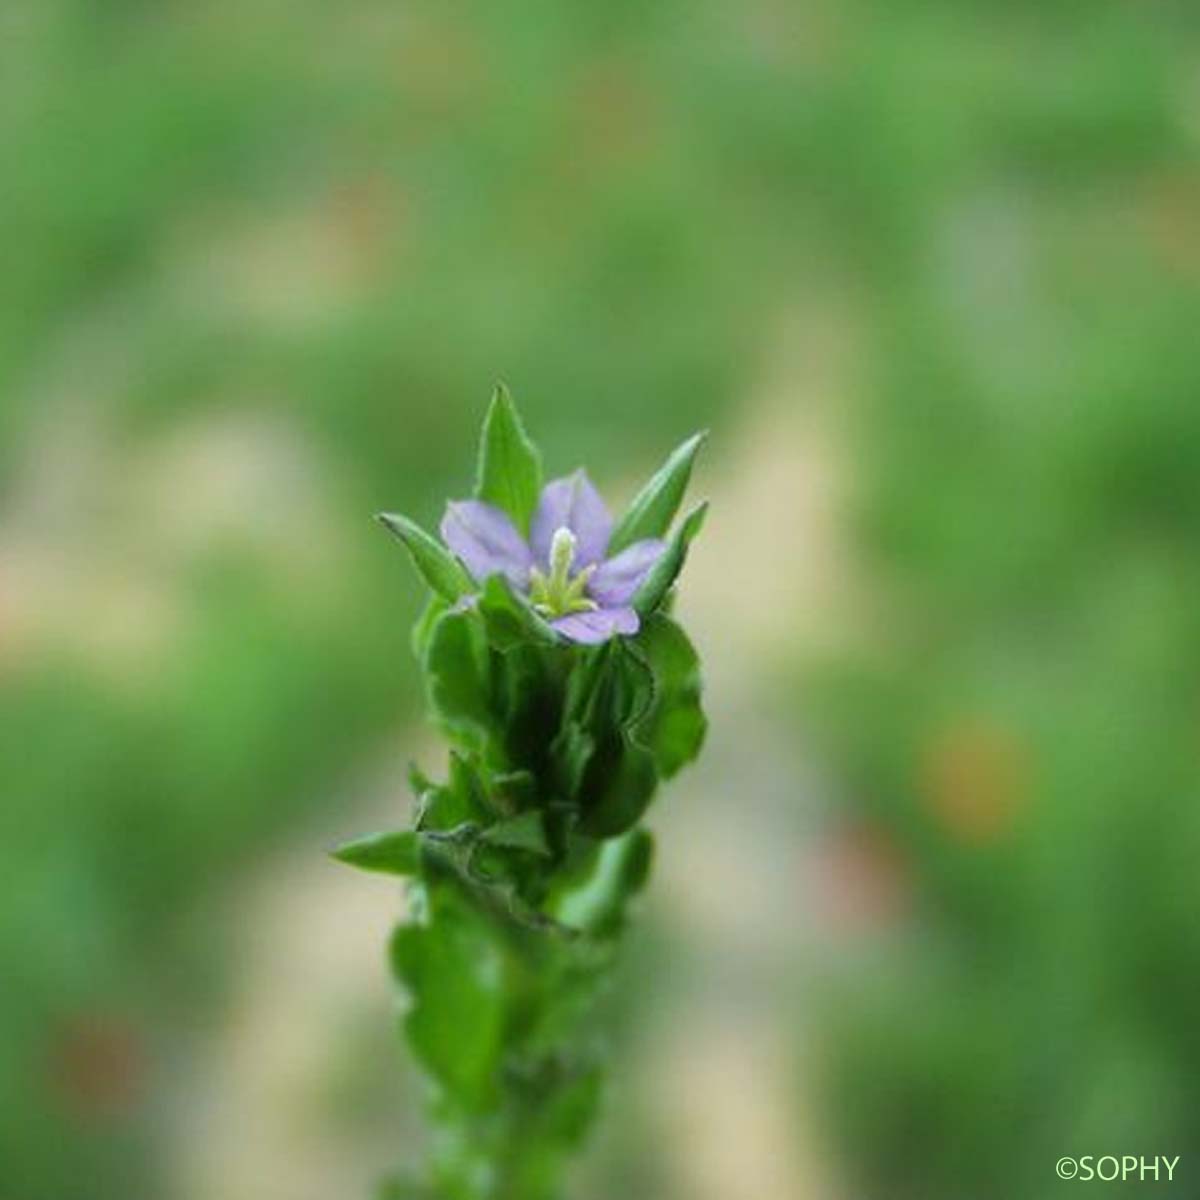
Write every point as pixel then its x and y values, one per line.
pixel 397 853
pixel 437 566
pixel 654 507
pixel 510 467
pixel 664 572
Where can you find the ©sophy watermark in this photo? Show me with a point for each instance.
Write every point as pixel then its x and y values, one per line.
pixel 1110 1167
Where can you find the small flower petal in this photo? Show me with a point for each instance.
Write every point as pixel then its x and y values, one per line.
pixel 594 627
pixel 572 503
pixel 616 581
pixel 487 541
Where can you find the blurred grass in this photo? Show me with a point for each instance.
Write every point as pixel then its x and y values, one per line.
pixel 263 263
pixel 1014 731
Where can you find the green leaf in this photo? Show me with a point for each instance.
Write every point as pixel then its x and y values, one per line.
pixel 618 785
pixel 573 750
pixel 620 871
pixel 459 676
pixel 664 572
pixel 654 507
pixel 509 618
pixel 459 801
pixel 528 697
pixel 523 832
pixel 422 630
pixel 437 566
pixel 675 727
pixel 609 690
pixel 635 688
pixel 455 970
pixel 570 1109
pixel 514 791
pixel 587 681
pixel 608 693
pixel 510 467
pixel 396 853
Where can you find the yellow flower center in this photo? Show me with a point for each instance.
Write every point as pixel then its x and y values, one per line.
pixel 558 594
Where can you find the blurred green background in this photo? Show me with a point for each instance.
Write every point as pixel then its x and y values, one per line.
pixel 925 916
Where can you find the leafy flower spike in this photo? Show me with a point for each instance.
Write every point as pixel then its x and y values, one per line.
pixel 583 577
pixel 569 694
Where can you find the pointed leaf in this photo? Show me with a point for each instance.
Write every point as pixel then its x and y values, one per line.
pixel 438 567
pixel 397 853
pixel 510 467
pixel 654 507
pixel 664 572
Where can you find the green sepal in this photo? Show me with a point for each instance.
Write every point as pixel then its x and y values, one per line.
pixel 509 618
pixel 573 750
pixel 618 785
pixel 585 683
pixel 635 687
pixel 436 565
pixel 675 727
pixel 422 631
pixel 527 703
pixel 608 695
pixel 397 853
pixel 654 507
pixel 458 675
pixel 510 467
pixel 663 574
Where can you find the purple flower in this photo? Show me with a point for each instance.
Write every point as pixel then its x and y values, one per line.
pixel 562 568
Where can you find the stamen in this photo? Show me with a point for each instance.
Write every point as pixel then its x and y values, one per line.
pixel 558 594
pixel 562 555
pixel 574 594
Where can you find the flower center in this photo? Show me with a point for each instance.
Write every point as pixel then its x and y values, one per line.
pixel 559 594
